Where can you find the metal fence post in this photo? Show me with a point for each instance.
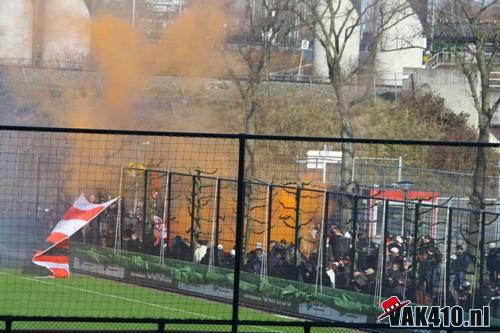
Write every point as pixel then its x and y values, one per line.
pixel 168 207
pixel 479 291
pixel 354 234
pixel 297 231
pixel 193 204
pixel 448 253
pixel 145 206
pixel 240 212
pixel 8 326
pixel 119 212
pixel 269 220
pixel 215 247
pixel 384 241
pixel 415 243
pixel 325 229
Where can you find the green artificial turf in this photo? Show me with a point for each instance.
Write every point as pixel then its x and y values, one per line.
pixel 86 296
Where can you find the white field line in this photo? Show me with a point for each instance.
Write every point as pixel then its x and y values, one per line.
pixel 129 300
pixel 286 317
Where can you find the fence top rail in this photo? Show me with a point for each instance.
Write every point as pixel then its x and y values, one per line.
pixel 244 136
pixel 424 202
pixel 116 132
pixel 309 324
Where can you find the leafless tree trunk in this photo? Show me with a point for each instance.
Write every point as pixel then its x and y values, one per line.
pixel 383 16
pixel 476 62
pixel 267 22
pixel 335 23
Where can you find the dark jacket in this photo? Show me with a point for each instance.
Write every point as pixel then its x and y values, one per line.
pixel 461 263
pixel 282 270
pixel 493 260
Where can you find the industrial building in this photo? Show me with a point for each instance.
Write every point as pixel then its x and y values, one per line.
pixel 57 32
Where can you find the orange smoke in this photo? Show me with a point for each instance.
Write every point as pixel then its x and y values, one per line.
pixel 191 45
pixel 116 51
pixel 124 59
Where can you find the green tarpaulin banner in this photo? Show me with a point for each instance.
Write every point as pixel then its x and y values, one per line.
pixel 291 292
pixel 194 273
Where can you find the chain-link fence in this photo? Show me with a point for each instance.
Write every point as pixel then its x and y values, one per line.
pixel 232 232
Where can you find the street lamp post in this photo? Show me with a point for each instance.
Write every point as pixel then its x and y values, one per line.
pixel 135 172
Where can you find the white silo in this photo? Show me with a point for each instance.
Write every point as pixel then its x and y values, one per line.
pixel 344 14
pixel 16 31
pixel 66 33
pixel 401 44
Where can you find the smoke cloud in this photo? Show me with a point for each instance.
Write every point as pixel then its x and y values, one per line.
pixel 119 89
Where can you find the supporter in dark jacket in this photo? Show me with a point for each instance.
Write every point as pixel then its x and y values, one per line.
pixel 393 275
pixel 229 259
pixel 254 262
pixel 395 258
pixel 134 243
pixel 307 270
pixel 428 266
pixel 495 299
pixel 465 296
pixel 341 244
pixel 459 266
pixel 343 274
pixel 282 269
pixel 220 256
pixel 181 250
pixel 364 281
pixel 493 262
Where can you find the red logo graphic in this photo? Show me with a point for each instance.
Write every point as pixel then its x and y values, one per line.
pixel 390 305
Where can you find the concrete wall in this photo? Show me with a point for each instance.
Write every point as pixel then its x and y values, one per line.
pixel 451 85
pixel 350 57
pixel 448 83
pixel 406 34
pixel 66 32
pixel 16 30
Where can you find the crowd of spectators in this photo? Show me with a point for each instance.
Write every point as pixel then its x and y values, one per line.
pixel 334 269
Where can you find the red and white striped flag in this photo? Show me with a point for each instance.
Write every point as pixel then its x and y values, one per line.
pixel 55 257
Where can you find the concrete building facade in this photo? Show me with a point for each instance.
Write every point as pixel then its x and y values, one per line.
pixel 66 32
pixel 452 85
pixel 402 44
pixel 16 31
pixel 350 57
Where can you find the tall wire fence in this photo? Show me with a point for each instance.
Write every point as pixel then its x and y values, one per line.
pixel 239 232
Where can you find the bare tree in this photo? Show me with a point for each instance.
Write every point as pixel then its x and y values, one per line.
pixel 335 24
pixel 472 33
pixel 383 20
pixel 470 30
pixel 198 200
pixel 265 24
